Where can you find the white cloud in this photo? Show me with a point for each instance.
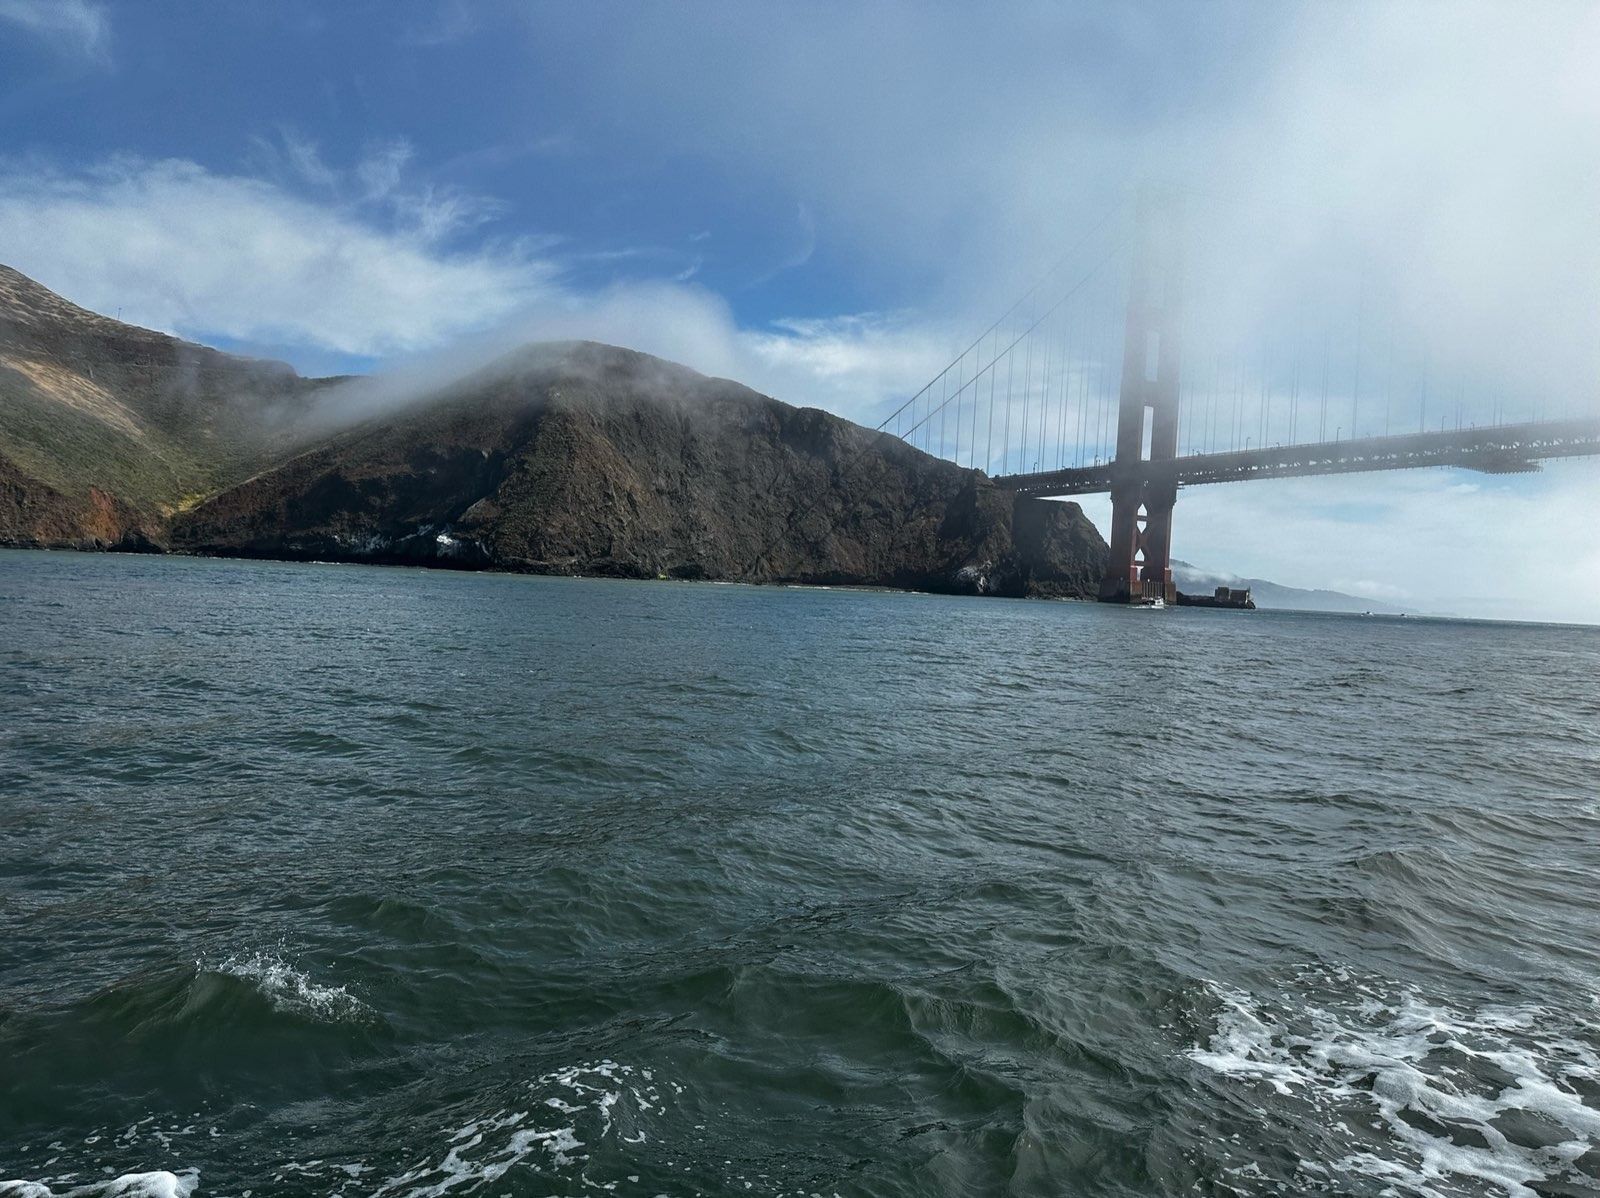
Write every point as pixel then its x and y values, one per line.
pixel 853 365
pixel 1505 547
pixel 1447 159
pixel 176 247
pixel 183 249
pixel 79 27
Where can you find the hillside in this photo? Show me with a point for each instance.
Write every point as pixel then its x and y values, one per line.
pixel 568 458
pixel 584 458
pixel 107 429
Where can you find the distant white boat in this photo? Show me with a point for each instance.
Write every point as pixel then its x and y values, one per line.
pixel 1153 601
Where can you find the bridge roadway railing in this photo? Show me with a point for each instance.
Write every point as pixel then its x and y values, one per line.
pixel 1497 449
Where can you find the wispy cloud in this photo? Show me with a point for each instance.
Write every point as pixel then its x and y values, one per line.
pixel 804 247
pixel 440 23
pixel 77 27
pixel 181 248
pixel 378 180
pixel 291 157
pixel 380 171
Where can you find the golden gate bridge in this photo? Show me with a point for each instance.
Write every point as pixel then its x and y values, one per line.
pixel 1126 369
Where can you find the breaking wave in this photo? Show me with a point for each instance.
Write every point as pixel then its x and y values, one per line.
pixel 287 989
pixel 1425 1099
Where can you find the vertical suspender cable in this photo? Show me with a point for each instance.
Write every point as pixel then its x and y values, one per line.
pixel 970 436
pixel 1294 391
pixel 1101 451
pixel 1066 389
pixel 1044 405
pixel 1361 312
pixel 944 402
pixel 1083 382
pixel 989 455
pixel 1005 461
pixel 1388 379
pixel 1422 416
pixel 1211 408
pixel 1322 426
pixel 1027 388
pixel 1263 417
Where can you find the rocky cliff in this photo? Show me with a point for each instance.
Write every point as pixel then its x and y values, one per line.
pixel 107 430
pixel 583 458
pixel 567 458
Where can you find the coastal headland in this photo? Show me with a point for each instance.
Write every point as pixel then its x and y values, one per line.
pixel 559 458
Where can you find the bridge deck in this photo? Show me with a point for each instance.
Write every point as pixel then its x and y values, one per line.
pixel 1500 449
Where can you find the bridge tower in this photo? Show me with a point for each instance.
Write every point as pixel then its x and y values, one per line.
pixel 1142 492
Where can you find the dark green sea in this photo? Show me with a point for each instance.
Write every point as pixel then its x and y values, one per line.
pixel 330 880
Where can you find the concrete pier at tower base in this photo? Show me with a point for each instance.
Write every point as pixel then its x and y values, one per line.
pixel 1134 589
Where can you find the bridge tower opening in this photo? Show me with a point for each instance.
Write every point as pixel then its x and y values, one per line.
pixel 1144 486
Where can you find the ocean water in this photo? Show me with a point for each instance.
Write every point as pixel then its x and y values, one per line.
pixel 328 880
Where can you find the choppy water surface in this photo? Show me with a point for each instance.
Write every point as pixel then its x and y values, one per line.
pixel 334 880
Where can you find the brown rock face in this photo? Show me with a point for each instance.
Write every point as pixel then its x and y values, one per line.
pixel 37 516
pixel 587 459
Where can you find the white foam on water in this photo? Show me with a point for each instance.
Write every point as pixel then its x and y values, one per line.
pixel 157 1184
pixel 572 1110
pixel 68 1167
pixel 289 989
pixel 558 1120
pixel 1486 1102
pixel 563 1121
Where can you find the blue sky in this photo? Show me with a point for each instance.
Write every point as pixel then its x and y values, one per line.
pixel 799 163
pixel 824 200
